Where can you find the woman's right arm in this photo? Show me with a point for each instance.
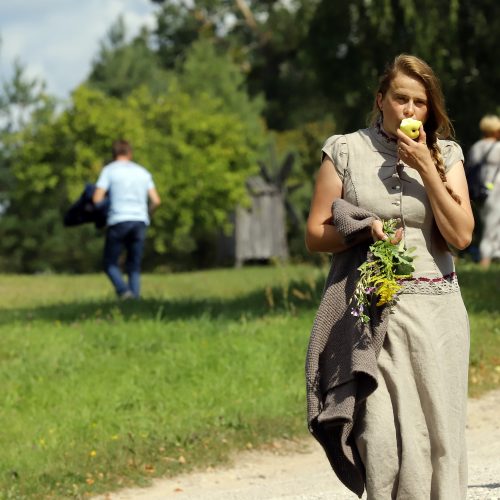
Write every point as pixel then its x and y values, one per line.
pixel 321 235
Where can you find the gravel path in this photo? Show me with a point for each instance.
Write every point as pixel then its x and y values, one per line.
pixel 300 470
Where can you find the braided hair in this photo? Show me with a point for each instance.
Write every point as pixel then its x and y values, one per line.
pixel 438 124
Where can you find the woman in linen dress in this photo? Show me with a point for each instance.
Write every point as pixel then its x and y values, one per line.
pixel 410 432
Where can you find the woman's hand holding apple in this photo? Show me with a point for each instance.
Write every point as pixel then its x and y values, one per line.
pixel 415 153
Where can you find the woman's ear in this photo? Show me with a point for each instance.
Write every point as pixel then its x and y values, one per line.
pixel 380 97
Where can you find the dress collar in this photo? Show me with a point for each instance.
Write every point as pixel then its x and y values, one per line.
pixel 383 134
pixel 381 141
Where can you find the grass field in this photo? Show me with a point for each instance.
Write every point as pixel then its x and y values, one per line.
pixel 99 394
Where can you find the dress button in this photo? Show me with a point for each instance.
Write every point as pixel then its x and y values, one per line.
pixel 397 203
pixel 397 186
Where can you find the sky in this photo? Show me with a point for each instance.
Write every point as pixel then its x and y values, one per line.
pixel 56 40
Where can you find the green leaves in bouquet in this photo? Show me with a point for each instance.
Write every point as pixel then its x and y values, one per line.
pixel 381 274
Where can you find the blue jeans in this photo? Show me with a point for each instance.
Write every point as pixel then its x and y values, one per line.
pixel 129 235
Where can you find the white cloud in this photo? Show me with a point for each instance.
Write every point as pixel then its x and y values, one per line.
pixel 57 39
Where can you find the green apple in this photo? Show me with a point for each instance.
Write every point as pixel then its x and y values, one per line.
pixel 411 127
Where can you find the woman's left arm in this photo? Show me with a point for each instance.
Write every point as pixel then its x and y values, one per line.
pixel 455 221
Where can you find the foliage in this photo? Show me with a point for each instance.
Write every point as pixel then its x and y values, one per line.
pixel 263 37
pixel 315 58
pixel 180 24
pixel 349 43
pixel 303 68
pixel 24 105
pixel 380 275
pixel 22 99
pixel 206 72
pixel 122 66
pixel 186 145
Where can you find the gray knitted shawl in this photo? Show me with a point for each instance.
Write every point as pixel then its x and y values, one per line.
pixel 341 363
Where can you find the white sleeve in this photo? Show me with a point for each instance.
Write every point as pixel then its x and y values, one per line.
pixel 103 181
pixel 151 183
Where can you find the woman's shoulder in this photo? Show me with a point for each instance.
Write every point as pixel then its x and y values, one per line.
pixel 335 147
pixel 451 151
pixel 335 142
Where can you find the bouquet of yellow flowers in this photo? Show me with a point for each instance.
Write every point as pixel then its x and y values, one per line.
pixel 381 274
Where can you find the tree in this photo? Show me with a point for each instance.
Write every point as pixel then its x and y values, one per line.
pixel 263 37
pixel 306 57
pixel 179 24
pixel 200 158
pixel 206 72
pixel 23 101
pixel 350 42
pixel 122 66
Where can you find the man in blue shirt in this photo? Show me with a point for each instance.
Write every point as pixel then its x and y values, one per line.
pixel 133 198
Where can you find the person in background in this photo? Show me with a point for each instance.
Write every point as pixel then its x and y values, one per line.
pixel 396 428
pixel 488 148
pixel 132 199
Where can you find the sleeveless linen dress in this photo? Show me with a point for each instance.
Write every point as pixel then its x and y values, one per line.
pixel 411 431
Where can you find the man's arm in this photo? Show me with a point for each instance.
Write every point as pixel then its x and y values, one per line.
pixel 154 200
pixel 98 195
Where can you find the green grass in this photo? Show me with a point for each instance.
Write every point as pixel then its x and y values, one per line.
pixel 99 394
pixel 481 293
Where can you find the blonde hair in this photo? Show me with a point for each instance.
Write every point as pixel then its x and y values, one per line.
pixel 489 125
pixel 438 124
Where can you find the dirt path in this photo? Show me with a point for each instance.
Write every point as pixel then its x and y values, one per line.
pixel 300 471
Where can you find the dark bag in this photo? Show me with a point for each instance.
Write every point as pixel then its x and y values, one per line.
pixel 478 191
pixel 84 210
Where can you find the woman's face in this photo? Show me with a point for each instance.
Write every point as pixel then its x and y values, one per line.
pixel 405 98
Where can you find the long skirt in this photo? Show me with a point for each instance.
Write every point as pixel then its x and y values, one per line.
pixel 411 431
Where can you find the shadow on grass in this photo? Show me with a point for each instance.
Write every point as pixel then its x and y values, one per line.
pixel 297 295
pixel 480 290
